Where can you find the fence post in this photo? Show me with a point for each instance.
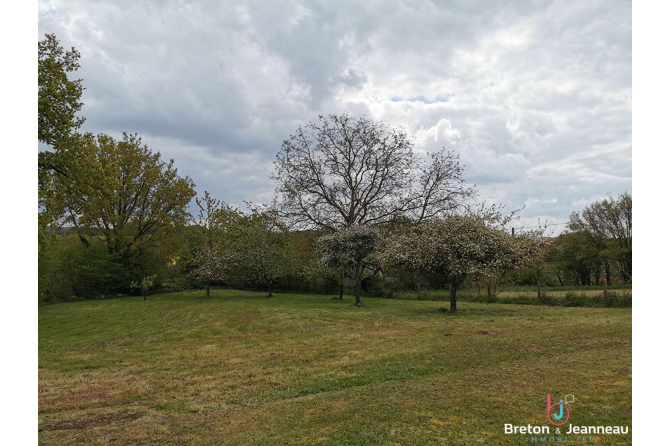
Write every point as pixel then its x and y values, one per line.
pixel 605 289
pixel 538 290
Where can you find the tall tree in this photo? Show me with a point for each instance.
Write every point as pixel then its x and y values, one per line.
pixel 610 225
pixel 120 192
pixel 58 97
pixel 58 102
pixel 346 171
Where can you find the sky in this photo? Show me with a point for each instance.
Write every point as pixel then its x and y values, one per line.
pixel 535 96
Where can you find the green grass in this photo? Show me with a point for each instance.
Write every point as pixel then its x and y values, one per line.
pixel 303 369
pixel 568 297
pixel 532 288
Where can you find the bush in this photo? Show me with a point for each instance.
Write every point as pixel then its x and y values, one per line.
pixel 71 270
pixel 615 299
pixel 573 299
pixel 543 299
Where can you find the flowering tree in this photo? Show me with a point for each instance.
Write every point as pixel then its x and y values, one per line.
pixel 352 250
pixel 211 256
pixel 210 265
pixel 144 285
pixel 459 246
pixel 260 253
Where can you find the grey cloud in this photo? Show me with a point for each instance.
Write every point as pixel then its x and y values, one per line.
pixel 537 94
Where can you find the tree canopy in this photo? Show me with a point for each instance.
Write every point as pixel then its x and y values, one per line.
pixel 609 223
pixel 58 97
pixel 346 171
pixel 119 191
pixel 352 250
pixel 457 247
pixel 212 253
pixel 260 252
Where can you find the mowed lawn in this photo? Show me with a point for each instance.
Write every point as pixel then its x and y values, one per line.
pixel 306 369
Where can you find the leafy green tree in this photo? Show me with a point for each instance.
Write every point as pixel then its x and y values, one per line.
pixel 58 102
pixel 260 253
pixel 576 258
pixel 609 223
pixel 58 97
pixel 68 270
pixel 460 246
pixel 352 250
pixel 144 285
pixel 304 271
pixel 121 193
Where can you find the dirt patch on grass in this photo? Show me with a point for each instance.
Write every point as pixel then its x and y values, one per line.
pixel 88 421
pixel 247 316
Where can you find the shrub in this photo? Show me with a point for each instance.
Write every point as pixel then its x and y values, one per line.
pixel 573 299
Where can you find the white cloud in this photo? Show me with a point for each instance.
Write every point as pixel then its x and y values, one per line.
pixel 535 96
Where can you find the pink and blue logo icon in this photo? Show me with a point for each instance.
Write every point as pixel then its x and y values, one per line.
pixel 558 413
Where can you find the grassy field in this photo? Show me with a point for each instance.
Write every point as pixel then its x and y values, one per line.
pixel 303 369
pixel 621 296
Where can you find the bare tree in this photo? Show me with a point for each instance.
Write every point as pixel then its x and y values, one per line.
pixel 346 171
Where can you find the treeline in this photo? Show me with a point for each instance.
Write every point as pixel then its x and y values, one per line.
pixel 356 210
pixel 599 244
pixel 255 249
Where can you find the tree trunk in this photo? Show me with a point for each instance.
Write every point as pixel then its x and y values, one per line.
pixel 357 288
pixel 608 273
pixel 144 295
pixel 586 278
pixel 207 291
pixel 270 288
pixel 452 296
pixel 341 283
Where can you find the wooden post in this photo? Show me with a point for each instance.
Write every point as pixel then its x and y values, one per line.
pixel 538 289
pixel 605 289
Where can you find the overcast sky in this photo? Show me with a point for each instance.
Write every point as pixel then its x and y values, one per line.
pixel 534 96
